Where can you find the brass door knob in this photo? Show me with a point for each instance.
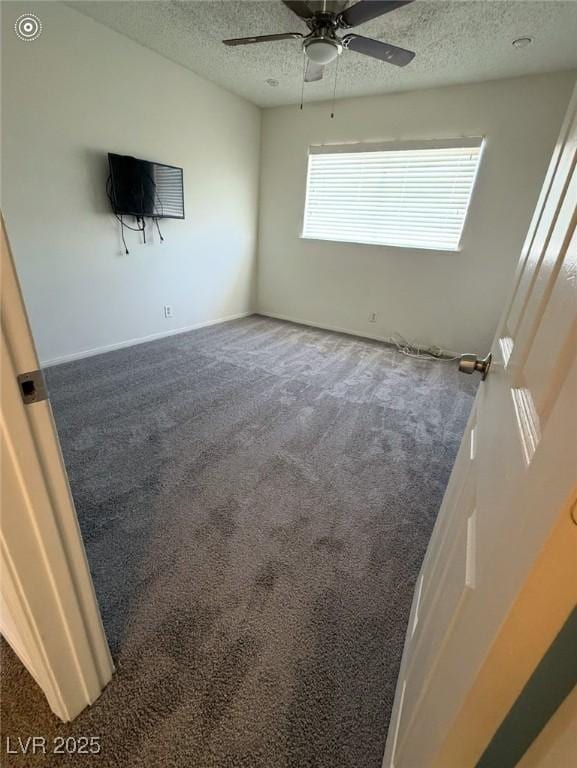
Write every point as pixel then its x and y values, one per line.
pixel 471 363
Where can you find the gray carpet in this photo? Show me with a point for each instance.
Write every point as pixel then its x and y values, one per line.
pixel 256 499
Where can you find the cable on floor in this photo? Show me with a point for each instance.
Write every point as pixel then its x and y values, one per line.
pixel 419 352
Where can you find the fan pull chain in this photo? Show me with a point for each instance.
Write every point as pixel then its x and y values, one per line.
pixel 304 75
pixel 335 88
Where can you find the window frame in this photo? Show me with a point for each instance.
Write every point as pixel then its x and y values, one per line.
pixel 472 142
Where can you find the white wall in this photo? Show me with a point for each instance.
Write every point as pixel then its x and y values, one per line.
pixel 450 299
pixel 82 90
pixel 77 92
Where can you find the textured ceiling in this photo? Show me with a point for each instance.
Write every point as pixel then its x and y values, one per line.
pixel 456 42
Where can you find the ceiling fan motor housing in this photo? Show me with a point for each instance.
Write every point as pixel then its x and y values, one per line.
pixel 322 46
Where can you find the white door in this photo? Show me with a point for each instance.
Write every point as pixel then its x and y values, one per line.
pixel 48 610
pixel 480 619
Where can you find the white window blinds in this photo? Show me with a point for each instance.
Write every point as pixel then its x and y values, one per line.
pixel 413 196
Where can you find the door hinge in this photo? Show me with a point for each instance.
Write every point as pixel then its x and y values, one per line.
pixel 32 387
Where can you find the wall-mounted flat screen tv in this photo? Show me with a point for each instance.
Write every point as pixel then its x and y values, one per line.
pixel 142 188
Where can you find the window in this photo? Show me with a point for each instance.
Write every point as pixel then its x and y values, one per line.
pixel 409 195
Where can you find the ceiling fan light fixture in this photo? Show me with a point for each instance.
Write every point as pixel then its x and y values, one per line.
pixel 322 50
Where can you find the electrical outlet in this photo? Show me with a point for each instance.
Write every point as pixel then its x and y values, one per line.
pixel 167 311
pixel 373 317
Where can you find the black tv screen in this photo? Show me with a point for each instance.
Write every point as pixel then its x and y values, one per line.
pixel 142 188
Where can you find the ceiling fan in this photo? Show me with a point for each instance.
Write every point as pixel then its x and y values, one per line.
pixel 322 45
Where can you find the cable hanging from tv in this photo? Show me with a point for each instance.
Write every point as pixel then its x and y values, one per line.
pixel 143 189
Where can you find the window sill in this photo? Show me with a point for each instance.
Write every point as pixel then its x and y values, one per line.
pixel 438 249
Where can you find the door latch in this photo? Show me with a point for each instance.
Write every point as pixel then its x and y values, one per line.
pixel 471 363
pixel 32 387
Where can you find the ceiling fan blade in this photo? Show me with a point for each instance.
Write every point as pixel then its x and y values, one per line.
pixel 313 72
pixel 262 38
pixel 300 8
pixel 400 57
pixel 366 10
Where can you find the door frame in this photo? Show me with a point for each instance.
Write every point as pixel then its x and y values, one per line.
pixel 48 608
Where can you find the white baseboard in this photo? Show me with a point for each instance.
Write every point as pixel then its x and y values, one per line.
pixel 140 340
pixel 325 326
pixel 449 355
